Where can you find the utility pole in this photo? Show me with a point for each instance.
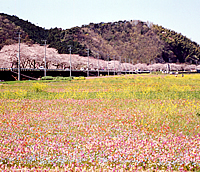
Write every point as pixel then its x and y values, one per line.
pixel 108 65
pixel 98 64
pixel 129 66
pixel 114 64
pixel 119 67
pixel 88 62
pixel 132 66
pixel 45 64
pixel 70 60
pixel 125 65
pixel 19 56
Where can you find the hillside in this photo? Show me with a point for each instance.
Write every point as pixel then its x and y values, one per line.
pixel 134 41
pixel 137 40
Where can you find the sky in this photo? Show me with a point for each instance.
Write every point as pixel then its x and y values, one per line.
pixel 181 16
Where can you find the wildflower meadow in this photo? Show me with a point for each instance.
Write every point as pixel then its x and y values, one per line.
pixel 119 123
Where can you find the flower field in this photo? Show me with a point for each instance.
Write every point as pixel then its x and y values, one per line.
pixel 126 123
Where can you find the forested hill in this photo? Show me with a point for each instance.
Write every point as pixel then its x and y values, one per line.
pixel 133 40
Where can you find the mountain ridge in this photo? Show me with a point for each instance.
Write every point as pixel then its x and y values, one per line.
pixel 133 41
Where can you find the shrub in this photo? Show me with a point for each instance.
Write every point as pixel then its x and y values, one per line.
pixel 63 78
pixel 58 78
pixel 47 78
pixel 79 78
pixel 39 87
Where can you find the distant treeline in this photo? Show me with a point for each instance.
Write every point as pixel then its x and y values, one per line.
pixel 133 41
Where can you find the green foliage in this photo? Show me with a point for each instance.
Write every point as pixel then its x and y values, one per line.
pixel 178 47
pixel 35 33
pixel 47 78
pixel 8 32
pixel 58 78
pixel 59 40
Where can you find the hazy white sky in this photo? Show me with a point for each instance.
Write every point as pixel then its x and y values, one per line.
pixel 181 16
